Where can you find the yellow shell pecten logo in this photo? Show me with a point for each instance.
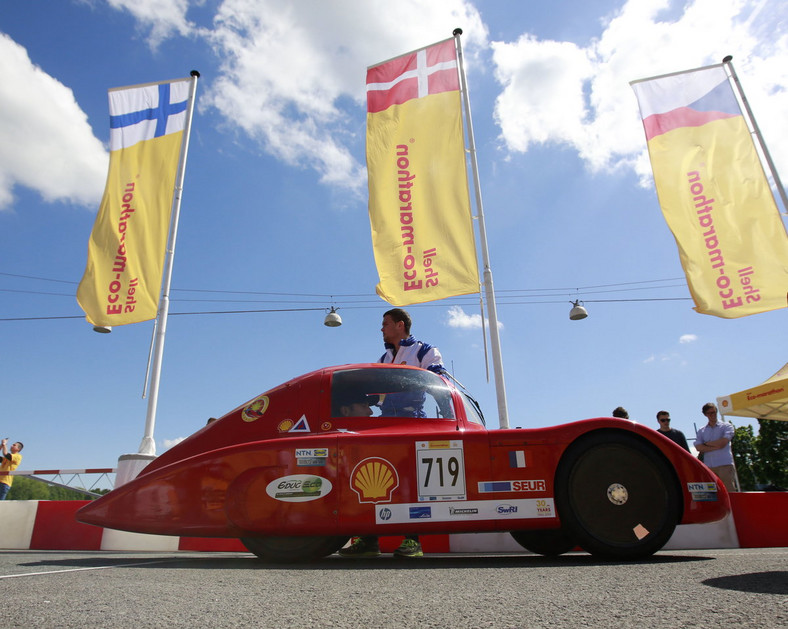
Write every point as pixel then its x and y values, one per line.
pixel 374 480
pixel 285 425
pixel 256 409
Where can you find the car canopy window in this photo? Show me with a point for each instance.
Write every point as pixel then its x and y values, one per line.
pixel 390 393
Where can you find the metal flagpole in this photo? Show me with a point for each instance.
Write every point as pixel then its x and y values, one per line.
pixel 492 311
pixel 148 445
pixel 728 61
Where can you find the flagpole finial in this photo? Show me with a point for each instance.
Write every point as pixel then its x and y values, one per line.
pixel 727 59
pixel 195 74
pixel 457 31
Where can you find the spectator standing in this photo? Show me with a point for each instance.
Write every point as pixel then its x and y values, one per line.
pixel 11 460
pixel 620 412
pixel 714 443
pixel 676 436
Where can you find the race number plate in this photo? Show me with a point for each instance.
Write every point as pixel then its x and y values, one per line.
pixel 441 470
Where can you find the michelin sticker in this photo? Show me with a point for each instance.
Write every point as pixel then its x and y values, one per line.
pixel 298 488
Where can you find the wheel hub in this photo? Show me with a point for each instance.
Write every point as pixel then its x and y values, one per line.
pixel 617 494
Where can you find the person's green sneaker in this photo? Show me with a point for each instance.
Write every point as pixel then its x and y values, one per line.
pixel 409 548
pixel 361 549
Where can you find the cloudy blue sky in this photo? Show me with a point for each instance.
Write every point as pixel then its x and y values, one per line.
pixel 274 214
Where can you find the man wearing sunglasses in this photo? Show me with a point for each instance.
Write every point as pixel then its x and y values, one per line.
pixel 663 417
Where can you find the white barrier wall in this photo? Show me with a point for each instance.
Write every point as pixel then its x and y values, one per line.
pixel 18 518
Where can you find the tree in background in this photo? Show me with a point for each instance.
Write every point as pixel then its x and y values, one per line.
pixel 762 460
pixel 772 447
pixel 30 489
pixel 745 457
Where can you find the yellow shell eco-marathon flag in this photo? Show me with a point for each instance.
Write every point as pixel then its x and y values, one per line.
pixel 126 249
pixel 419 206
pixel 714 193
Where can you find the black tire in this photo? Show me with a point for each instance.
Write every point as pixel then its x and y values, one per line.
pixel 550 543
pixel 617 496
pixel 293 549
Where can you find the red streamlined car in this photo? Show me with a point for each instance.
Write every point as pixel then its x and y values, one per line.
pixel 374 449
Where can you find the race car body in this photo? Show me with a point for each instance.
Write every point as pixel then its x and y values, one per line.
pixel 374 449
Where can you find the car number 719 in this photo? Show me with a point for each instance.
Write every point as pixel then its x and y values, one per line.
pixel 441 470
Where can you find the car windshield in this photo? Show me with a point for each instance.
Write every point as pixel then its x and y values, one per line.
pixel 390 393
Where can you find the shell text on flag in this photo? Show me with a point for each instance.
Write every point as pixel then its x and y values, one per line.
pixel 119 264
pixel 405 183
pixel 704 208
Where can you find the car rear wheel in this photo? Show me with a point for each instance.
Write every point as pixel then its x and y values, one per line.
pixel 617 496
pixel 550 543
pixel 286 549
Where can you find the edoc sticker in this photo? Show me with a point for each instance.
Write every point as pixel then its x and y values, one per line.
pixel 298 488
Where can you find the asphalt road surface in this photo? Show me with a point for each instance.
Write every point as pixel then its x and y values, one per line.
pixel 711 589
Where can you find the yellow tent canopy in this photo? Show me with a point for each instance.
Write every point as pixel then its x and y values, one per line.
pixel 765 401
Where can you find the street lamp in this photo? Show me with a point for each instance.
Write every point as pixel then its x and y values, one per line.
pixel 333 320
pixel 577 312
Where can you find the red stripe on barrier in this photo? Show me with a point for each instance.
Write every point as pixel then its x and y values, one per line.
pixel 56 528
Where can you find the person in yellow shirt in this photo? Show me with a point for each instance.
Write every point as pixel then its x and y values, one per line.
pixel 10 462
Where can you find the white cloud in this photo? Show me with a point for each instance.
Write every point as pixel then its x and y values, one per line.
pixel 458 318
pixel 169 443
pixel 543 98
pixel 688 338
pixel 285 66
pixel 556 92
pixel 46 143
pixel 162 17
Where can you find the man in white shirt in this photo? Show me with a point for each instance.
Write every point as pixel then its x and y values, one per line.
pixel 714 441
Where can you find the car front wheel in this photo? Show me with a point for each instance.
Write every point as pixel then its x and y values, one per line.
pixel 295 549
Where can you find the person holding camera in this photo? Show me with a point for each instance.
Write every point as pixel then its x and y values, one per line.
pixel 10 461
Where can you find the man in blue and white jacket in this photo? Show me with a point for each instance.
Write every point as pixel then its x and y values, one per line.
pixel 403 349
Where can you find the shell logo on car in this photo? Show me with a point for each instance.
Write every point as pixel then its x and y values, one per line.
pixel 374 480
